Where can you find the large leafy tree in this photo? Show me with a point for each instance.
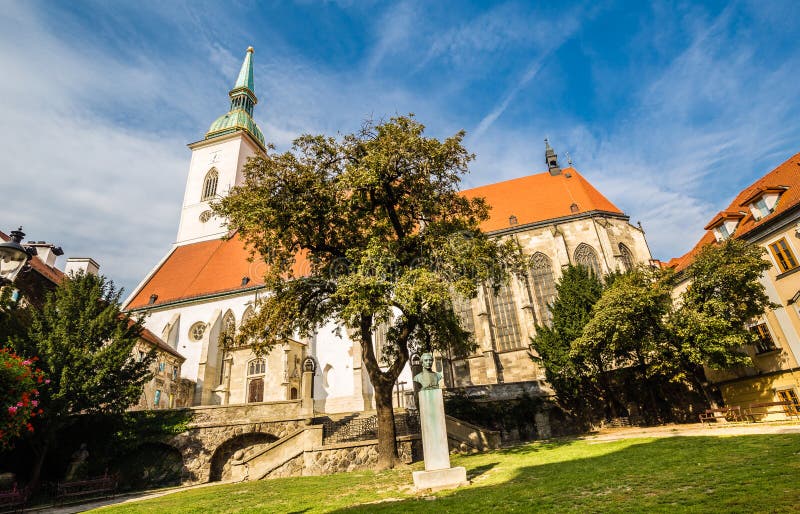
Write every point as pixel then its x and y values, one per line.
pixel 366 229
pixel 724 295
pixel 84 344
pixel 627 332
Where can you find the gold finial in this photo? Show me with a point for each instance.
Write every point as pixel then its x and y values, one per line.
pixel 250 49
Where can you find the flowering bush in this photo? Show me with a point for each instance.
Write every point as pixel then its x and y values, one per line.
pixel 19 395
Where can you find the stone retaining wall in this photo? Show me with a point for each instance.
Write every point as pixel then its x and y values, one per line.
pixel 346 457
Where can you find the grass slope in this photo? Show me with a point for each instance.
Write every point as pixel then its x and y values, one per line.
pixel 685 474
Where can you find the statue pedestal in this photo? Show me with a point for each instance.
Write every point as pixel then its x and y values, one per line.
pixel 438 474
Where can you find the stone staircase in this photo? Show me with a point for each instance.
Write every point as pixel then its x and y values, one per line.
pixel 298 451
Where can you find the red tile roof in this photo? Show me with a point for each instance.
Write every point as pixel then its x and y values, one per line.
pixel 160 344
pixel 784 179
pixel 539 197
pixel 198 269
pixel 218 266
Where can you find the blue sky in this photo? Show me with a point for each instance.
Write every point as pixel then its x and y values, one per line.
pixel 669 108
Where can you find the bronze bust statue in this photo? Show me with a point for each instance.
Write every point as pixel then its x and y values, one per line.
pixel 428 378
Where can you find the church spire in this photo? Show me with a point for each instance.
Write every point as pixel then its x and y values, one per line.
pixel 243 99
pixel 242 95
pixel 551 159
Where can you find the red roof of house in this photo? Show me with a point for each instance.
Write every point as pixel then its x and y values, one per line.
pixel 539 197
pixel 784 179
pixel 217 266
pixel 160 344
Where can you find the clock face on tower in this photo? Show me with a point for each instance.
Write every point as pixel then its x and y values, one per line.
pixel 215 157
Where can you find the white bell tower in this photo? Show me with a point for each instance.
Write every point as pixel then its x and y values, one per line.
pixel 217 161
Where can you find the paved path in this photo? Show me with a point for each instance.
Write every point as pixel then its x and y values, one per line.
pixel 695 429
pixel 604 435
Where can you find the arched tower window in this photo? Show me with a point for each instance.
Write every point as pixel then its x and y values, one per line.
pixel 210 185
pixel 544 285
pixel 626 256
pixel 586 256
pixel 505 323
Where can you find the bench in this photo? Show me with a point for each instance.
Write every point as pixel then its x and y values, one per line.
pixel 763 409
pixel 93 486
pixel 14 498
pixel 732 413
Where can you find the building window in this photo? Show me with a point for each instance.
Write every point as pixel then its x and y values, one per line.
pixel 210 185
pixel 196 331
pixel 505 323
pixel 626 256
pixel 764 342
pixel 293 394
pixel 463 310
pixel 228 330
pixel 255 390
pixel 783 255
pixel 544 285
pixel 174 372
pixel 256 367
pixel 788 395
pixel 157 397
pixel 162 366
pixel 760 207
pixel 586 256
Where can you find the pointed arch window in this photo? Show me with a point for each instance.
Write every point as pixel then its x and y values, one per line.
pixel 626 256
pixel 463 309
pixel 544 285
pixel 228 329
pixel 586 256
pixel 505 322
pixel 210 185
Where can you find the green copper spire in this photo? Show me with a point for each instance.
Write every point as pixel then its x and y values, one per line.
pixel 245 79
pixel 243 99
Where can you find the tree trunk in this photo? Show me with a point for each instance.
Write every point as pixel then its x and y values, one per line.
pixel 383 382
pixel 387 438
pixel 36 472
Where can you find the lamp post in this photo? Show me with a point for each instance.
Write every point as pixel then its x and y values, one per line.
pixel 13 257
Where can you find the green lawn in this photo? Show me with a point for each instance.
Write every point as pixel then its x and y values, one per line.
pixel 687 474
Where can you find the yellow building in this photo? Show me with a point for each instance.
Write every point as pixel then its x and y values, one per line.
pixel 766 213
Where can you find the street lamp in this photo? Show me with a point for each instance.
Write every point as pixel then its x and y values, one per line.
pixel 13 256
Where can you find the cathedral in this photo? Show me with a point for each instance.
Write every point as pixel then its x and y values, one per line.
pixel 205 286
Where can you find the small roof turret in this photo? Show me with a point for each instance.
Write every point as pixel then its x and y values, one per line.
pixel 551 159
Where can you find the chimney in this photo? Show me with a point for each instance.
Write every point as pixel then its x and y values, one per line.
pixel 81 264
pixel 47 252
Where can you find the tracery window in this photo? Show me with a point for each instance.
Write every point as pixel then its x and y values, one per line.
pixel 544 285
pixel 228 329
pixel 586 256
pixel 626 256
pixel 196 331
pixel 256 367
pixel 210 185
pixel 463 309
pixel 505 322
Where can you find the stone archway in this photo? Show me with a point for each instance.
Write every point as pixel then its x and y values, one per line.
pixel 246 443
